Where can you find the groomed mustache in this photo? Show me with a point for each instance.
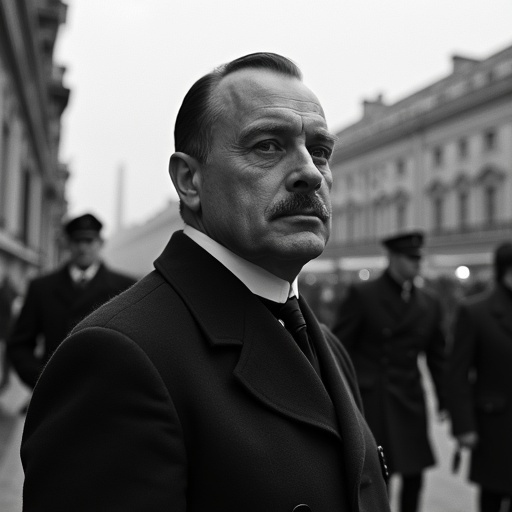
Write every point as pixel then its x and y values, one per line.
pixel 296 203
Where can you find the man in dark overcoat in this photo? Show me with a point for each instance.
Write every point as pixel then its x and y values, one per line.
pixel 208 385
pixel 385 325
pixel 57 301
pixel 479 384
pixel 7 298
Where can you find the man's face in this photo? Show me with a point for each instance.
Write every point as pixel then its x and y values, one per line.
pixel 265 187
pixel 85 250
pixel 406 266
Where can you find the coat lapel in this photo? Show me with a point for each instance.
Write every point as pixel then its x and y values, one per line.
pixel 400 315
pixel 390 302
pixel 412 311
pixel 347 412
pixel 271 367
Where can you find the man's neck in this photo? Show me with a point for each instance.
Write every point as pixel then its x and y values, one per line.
pixel 260 281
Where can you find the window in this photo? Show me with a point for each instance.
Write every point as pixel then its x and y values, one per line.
pixel 463 209
pixel 350 223
pixel 400 167
pixel 437 156
pixel 4 171
pixel 25 227
pixel 401 212
pixel 490 204
pixel 462 148
pixel 490 140
pixel 438 205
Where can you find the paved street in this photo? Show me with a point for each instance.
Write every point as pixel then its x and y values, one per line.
pixel 444 492
pixel 11 427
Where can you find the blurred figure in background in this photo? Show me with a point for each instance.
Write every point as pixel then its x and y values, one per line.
pixel 7 296
pixel 56 302
pixel 385 324
pixel 479 385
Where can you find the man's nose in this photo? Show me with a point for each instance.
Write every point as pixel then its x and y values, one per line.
pixel 304 176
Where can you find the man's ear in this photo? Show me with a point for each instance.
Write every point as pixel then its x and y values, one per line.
pixel 183 170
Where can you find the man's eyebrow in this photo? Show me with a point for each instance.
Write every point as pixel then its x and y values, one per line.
pixel 326 135
pixel 279 128
pixel 268 127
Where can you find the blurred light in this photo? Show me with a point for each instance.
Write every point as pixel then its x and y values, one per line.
pixel 419 281
pixel 364 274
pixel 310 279
pixel 327 294
pixel 462 272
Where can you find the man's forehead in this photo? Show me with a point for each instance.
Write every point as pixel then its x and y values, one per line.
pixel 261 92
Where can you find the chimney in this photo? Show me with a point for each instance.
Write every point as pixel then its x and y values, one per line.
pixel 373 108
pixel 462 64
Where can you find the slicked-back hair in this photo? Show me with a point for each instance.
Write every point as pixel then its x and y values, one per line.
pixel 197 114
pixel 502 260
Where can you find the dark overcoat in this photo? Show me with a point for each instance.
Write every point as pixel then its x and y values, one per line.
pixel 479 385
pixel 52 307
pixel 185 394
pixel 385 337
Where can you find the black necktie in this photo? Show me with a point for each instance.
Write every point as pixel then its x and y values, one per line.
pixel 291 315
pixel 82 282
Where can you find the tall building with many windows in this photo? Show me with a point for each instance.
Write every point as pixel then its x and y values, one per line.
pixel 32 100
pixel 439 159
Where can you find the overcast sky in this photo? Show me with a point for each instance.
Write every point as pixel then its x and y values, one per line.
pixel 130 62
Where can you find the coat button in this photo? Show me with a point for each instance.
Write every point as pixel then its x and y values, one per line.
pixel 301 508
pixel 383 464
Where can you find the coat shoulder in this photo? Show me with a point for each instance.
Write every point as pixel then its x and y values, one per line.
pixel 365 288
pixel 49 278
pixel 135 300
pixel 150 313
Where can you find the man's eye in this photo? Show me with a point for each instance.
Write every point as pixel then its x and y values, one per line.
pixel 321 152
pixel 267 146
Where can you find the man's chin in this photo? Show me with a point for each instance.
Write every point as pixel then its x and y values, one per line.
pixel 305 245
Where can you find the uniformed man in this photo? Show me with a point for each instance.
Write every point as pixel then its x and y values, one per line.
pixel 56 302
pixel 479 385
pixel 386 324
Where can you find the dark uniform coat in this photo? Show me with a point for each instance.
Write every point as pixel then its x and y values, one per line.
pixel 52 307
pixel 479 385
pixel 384 336
pixel 186 394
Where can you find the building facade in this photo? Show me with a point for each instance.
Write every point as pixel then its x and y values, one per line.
pixel 438 160
pixel 32 100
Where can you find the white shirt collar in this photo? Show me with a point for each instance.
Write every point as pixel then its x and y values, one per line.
pixel 78 275
pixel 258 280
